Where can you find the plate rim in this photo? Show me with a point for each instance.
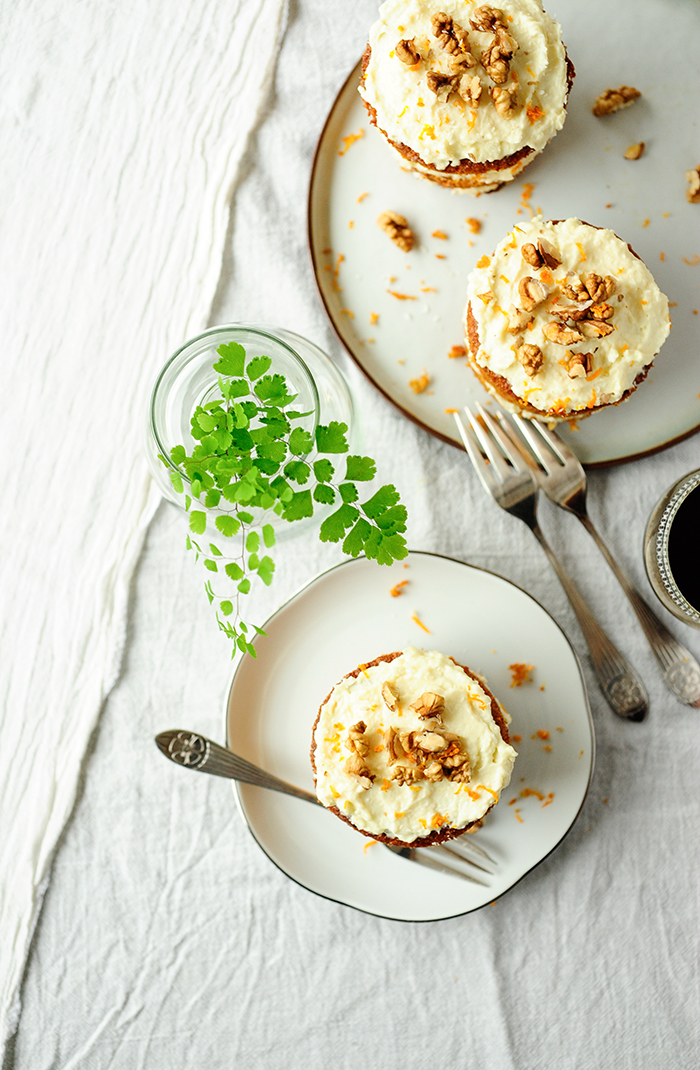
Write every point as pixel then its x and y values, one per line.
pixel 609 463
pixel 363 910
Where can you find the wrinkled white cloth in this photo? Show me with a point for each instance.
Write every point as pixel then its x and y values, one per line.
pixel 168 940
pixel 123 129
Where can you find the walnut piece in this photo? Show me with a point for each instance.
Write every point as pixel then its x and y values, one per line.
pixel 693 191
pixel 595 328
pixel 579 365
pixel 356 767
pixel 531 358
pixel 531 292
pixel 504 100
pixel 357 741
pixel 517 320
pixel 442 84
pixel 635 151
pixel 430 741
pixel 486 19
pixel 393 745
pixel 406 774
pixel 531 255
pixel 614 99
pixel 563 336
pixel 548 256
pixel 407 52
pixel 390 696
pixel 470 89
pixel 602 311
pixel 429 705
pixel 598 288
pixel 573 288
pixel 433 772
pixel 398 230
pixel 450 35
pixel 496 58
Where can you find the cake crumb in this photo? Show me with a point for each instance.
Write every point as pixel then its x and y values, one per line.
pixel 635 151
pixel 520 673
pixel 473 224
pixel 693 191
pixel 457 351
pixel 419 384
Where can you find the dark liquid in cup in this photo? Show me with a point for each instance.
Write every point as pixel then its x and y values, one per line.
pixel 684 548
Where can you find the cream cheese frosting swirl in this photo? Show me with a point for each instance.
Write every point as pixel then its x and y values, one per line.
pixel 401 806
pixel 637 320
pixel 445 131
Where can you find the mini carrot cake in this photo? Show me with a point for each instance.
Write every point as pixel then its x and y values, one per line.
pixel 563 319
pixel 468 95
pixel 411 748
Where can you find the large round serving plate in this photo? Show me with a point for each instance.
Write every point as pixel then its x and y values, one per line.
pixel 348 615
pixel 582 172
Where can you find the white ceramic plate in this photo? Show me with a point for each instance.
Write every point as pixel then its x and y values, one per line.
pixel 346 616
pixel 580 173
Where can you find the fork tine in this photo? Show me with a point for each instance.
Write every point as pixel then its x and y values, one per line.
pixel 507 447
pixel 548 448
pixel 480 430
pixel 482 860
pixel 484 471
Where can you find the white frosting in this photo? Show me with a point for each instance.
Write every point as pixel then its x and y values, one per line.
pixel 409 812
pixel 641 321
pixel 445 132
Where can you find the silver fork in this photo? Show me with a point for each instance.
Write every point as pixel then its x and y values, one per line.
pixel 193 751
pixel 508 478
pixel 563 479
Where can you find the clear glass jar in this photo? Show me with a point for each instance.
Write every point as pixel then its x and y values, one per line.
pixel 657 539
pixel 188 379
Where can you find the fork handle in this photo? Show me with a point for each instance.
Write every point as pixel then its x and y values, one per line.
pixel 680 669
pixel 619 682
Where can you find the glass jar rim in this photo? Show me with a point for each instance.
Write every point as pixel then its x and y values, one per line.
pixel 262 332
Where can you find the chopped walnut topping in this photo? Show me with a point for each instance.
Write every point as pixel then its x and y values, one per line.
pixel 595 328
pixel 398 230
pixel 573 288
pixel 601 312
pixel 407 52
pixel 486 19
pixel 496 58
pixel 579 365
pixel 429 705
pixel 430 741
pixel 517 320
pixel 450 35
pixel 614 99
pixel 571 312
pixel 504 100
pixel 550 259
pixel 531 255
pixel 600 289
pixel 390 696
pixel 356 767
pixel 693 191
pixel 406 774
pixel 635 151
pixel 531 358
pixel 531 292
pixel 433 772
pixel 442 84
pixel 357 741
pixel 487 296
pixel 470 89
pixel 563 336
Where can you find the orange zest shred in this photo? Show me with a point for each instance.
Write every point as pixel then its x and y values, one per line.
pixel 374 317
pixel 490 791
pixel 483 261
pixel 535 113
pixel 398 589
pixel 361 198
pixel 457 351
pixel 438 820
pixel 526 793
pixel 368 845
pixel 517 814
pixel 594 375
pixel 691 263
pixel 450 411
pixel 402 297
pixel 440 234
pixel 348 312
pixel 416 619
pixel 520 673
pixel 517 739
pixel 543 733
pixel 386 784
pixel 582 255
pixel 350 140
pixel 473 224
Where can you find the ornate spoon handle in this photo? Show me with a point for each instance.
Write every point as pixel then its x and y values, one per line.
pixel 198 752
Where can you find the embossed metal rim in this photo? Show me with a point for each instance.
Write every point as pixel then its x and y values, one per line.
pixel 684 489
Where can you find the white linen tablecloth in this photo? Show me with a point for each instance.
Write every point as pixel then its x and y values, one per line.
pixel 166 938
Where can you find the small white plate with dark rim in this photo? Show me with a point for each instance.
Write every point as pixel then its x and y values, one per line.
pixel 582 172
pixel 347 615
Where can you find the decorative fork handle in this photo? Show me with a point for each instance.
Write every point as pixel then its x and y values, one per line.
pixel 620 684
pixel 680 669
pixel 198 752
